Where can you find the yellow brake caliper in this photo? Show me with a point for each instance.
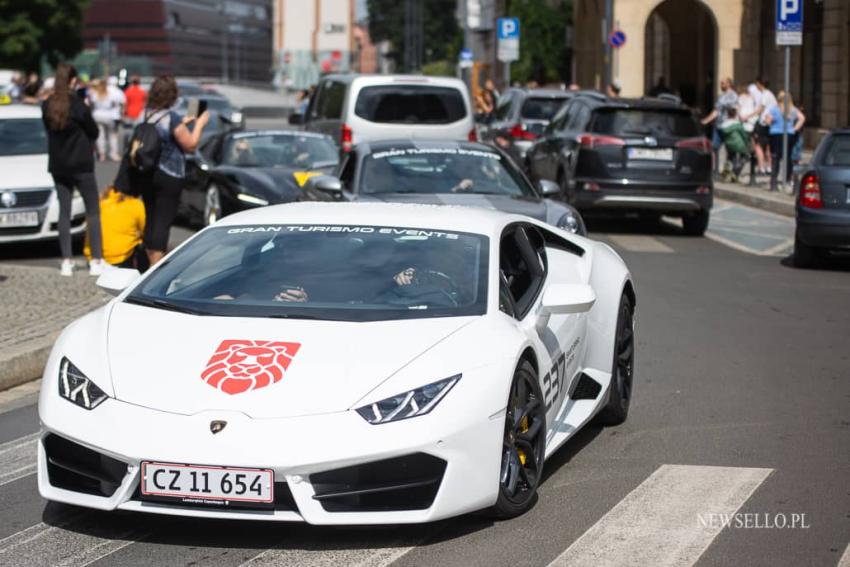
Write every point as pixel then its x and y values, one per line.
pixel 523 426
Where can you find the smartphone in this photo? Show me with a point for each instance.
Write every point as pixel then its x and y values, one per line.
pixel 196 107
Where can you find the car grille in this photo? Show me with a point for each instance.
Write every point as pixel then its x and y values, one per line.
pixel 73 467
pixel 29 199
pixel 403 483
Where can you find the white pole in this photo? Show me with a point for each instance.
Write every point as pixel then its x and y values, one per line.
pixel 785 113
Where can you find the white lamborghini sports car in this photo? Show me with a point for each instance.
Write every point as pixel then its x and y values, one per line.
pixel 339 363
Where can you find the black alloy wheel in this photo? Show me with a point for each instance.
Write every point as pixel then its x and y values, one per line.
pixel 623 368
pixel 523 445
pixel 696 223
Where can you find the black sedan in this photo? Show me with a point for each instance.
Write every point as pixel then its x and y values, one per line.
pixel 235 171
pixel 823 201
pixel 441 173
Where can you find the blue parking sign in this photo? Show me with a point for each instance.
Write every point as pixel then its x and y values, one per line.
pixel 789 22
pixel 508 28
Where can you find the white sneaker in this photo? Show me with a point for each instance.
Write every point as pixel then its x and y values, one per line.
pixel 67 268
pixel 96 267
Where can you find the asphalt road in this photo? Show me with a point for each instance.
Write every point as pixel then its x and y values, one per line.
pixel 741 403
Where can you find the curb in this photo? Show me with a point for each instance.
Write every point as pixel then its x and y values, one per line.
pixel 25 362
pixel 780 204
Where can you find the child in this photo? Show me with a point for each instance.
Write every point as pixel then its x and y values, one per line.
pixel 122 221
pixel 737 143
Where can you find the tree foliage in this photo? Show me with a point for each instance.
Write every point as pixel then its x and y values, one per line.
pixel 441 34
pixel 544 56
pixel 31 29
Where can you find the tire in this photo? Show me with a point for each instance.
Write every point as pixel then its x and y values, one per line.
pixel 696 224
pixel 212 205
pixel 616 410
pixel 805 256
pixel 523 445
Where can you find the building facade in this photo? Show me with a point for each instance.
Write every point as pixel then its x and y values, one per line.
pixel 226 39
pixel 312 37
pixel 690 45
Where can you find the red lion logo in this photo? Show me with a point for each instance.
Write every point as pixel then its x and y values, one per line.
pixel 242 366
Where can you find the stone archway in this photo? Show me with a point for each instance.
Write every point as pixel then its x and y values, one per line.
pixel 680 49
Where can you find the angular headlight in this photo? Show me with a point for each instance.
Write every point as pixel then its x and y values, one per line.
pixel 75 387
pixel 409 404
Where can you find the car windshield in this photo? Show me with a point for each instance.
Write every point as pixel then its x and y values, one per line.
pixel 441 170
pixel 22 136
pixel 410 104
pixel 327 272
pixel 640 122
pixel 838 152
pixel 280 150
pixel 541 108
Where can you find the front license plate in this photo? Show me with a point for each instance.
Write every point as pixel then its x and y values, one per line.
pixel 18 219
pixel 650 154
pixel 205 485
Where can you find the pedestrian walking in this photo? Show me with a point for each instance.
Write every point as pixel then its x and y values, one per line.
pixel 727 101
pixel 764 102
pixel 71 132
pixel 106 109
pixel 779 123
pixel 135 100
pixel 161 192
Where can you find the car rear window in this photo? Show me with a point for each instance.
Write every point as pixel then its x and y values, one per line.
pixel 410 104
pixel 644 122
pixel 541 108
pixel 838 152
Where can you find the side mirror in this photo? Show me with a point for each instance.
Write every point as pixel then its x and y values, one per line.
pixel 327 184
pixel 296 119
pixel 566 299
pixel 115 280
pixel 548 188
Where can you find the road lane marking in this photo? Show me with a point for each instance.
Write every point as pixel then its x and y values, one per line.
pixel 634 243
pixel 845 558
pixel 658 523
pixel 324 557
pixel 18 458
pixel 91 540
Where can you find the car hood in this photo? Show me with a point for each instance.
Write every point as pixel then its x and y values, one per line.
pixel 275 184
pixel 529 206
pixel 30 171
pixel 186 364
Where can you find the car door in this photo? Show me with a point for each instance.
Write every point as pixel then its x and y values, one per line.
pixel 569 146
pixel 324 114
pixel 542 156
pixel 199 167
pixel 525 272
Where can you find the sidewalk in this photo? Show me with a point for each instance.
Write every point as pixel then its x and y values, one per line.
pixel 756 196
pixel 37 304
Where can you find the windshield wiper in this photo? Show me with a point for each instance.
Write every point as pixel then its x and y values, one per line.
pixel 162 304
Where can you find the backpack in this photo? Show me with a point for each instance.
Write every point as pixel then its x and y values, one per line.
pixel 145 147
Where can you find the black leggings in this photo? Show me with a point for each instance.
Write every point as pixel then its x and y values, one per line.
pixel 86 184
pixel 161 197
pixel 776 156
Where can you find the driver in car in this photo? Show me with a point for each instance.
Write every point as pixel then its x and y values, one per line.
pixel 297 294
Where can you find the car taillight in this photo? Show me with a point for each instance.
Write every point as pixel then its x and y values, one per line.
pixel 810 195
pixel 346 137
pixel 519 132
pixel 591 141
pixel 701 144
pixel 472 136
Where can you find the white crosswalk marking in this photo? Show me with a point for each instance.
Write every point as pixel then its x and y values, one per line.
pixel 659 522
pixel 18 458
pixel 845 558
pixel 47 545
pixel 637 243
pixel 368 557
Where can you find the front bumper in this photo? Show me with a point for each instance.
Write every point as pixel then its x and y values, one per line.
pixel 627 195
pixel 824 228
pixel 48 219
pixel 294 448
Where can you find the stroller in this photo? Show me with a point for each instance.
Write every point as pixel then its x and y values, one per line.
pixel 737 143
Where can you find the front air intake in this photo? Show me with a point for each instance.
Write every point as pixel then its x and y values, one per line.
pixel 403 483
pixel 73 467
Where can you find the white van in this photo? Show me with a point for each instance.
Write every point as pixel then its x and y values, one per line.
pixel 360 108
